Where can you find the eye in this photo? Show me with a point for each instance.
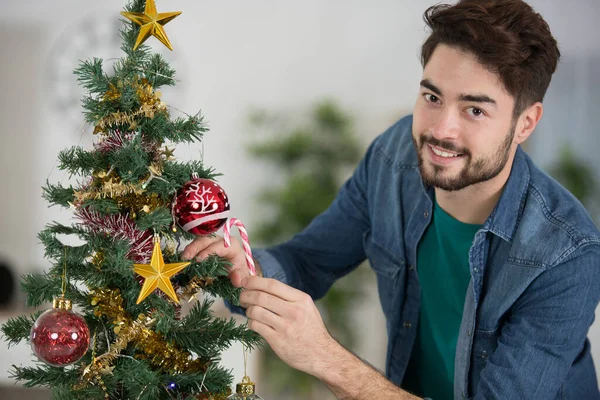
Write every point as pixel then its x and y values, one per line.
pixel 475 112
pixel 431 98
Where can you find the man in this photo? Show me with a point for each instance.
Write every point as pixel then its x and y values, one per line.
pixel 488 270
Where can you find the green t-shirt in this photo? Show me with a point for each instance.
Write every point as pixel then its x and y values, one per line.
pixel 443 268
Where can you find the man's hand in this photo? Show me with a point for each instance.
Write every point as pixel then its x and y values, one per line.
pixel 204 246
pixel 289 321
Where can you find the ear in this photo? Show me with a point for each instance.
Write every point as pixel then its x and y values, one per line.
pixel 527 122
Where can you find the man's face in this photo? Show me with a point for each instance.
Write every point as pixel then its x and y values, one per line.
pixel 463 122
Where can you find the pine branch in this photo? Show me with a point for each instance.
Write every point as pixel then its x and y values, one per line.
pixel 188 129
pixel 78 161
pixel 55 228
pixel 212 267
pixel 45 375
pixel 159 73
pixel 57 194
pixel 103 207
pixel 94 109
pixel 91 77
pixel 18 328
pixel 177 174
pixel 40 288
pixel 64 392
pixel 213 381
pixel 54 249
pixel 158 220
pixel 131 161
pixel 206 336
pixel 116 267
pixel 139 381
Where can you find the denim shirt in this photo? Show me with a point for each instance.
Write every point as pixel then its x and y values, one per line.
pixel 535 273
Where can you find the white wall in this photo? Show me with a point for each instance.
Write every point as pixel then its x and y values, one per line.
pixel 237 54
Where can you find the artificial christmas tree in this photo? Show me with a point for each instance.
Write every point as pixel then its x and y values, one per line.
pixel 127 279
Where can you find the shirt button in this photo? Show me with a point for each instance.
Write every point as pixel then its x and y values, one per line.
pixel 407 324
pixel 475 269
pixel 411 267
pixel 484 354
pixel 426 214
pixel 468 332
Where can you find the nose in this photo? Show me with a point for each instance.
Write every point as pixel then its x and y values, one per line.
pixel 446 125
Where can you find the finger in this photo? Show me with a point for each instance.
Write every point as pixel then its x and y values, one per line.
pixel 198 244
pixel 274 287
pixel 218 248
pixel 262 329
pixel 237 275
pixel 265 316
pixel 274 304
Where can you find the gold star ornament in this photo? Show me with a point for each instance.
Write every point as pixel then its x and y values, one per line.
pixel 158 274
pixel 151 23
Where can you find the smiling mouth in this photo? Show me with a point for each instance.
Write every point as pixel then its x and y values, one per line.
pixel 443 153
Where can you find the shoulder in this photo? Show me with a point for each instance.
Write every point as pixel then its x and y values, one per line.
pixel 554 224
pixel 395 146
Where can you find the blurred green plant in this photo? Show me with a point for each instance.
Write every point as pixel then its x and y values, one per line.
pixel 313 158
pixel 577 176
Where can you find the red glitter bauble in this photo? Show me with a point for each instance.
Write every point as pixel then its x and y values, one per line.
pixel 59 337
pixel 201 207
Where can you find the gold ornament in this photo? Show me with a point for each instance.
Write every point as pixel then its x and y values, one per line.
pixel 168 153
pixel 246 389
pixel 151 23
pixel 190 290
pixel 158 274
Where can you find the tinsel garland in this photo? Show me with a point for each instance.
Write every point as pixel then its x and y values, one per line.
pixel 127 195
pixel 119 227
pixel 115 140
pixel 147 97
pixel 151 345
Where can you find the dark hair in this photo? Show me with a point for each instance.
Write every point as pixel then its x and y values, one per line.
pixel 506 36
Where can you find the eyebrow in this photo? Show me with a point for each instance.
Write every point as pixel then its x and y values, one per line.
pixel 476 98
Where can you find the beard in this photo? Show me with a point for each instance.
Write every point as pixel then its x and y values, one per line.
pixel 474 170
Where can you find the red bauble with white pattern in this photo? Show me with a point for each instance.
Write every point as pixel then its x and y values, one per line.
pixel 201 207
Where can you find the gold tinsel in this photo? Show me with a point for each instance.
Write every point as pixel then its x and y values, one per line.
pixel 98 259
pixel 151 345
pixel 190 290
pixel 112 94
pixel 127 195
pixel 149 100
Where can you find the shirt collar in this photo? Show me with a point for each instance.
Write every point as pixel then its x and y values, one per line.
pixel 504 219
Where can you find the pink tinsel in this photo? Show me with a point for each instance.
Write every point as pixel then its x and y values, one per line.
pixel 119 227
pixel 116 139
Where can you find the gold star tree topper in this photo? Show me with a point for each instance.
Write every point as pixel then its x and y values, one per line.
pixel 151 23
pixel 158 274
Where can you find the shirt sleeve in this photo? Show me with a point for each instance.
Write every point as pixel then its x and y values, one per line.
pixel 545 332
pixel 330 247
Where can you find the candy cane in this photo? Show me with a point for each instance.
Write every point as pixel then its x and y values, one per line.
pixel 245 242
